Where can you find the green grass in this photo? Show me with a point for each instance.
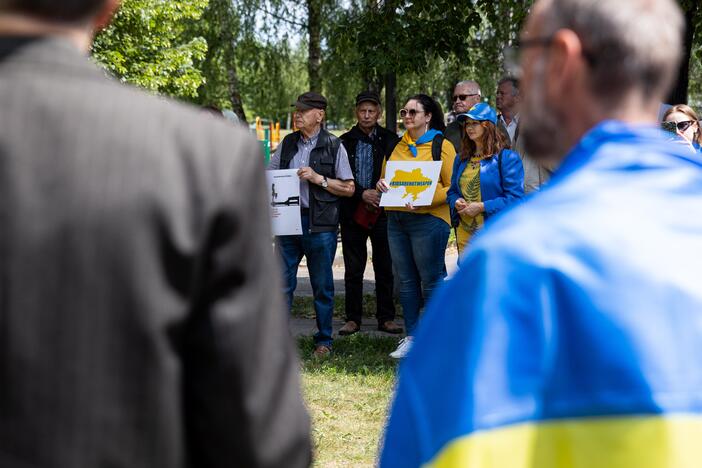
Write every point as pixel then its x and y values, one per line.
pixel 348 395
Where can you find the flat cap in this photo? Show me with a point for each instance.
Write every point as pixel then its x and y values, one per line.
pixel 311 100
pixel 368 96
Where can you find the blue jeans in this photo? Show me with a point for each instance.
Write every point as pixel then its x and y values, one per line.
pixel 319 248
pixel 418 248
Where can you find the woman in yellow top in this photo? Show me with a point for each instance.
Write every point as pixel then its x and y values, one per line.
pixel 418 236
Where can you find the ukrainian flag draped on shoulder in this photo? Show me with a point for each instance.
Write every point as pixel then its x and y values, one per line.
pixel 571 335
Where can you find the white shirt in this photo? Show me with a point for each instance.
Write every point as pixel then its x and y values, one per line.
pixel 512 127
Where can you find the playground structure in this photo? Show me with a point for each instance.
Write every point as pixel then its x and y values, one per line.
pixel 268 133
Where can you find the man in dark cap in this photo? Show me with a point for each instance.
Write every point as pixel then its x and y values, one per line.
pixel 136 321
pixel 325 177
pixel 368 144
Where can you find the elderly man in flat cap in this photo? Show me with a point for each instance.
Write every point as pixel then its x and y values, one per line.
pixel 368 145
pixel 325 177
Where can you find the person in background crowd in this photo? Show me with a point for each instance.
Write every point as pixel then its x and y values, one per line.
pixel 368 145
pixel 508 100
pixel 487 177
pixel 138 328
pixel 465 95
pixel 565 339
pixel 418 236
pixel 687 124
pixel 325 177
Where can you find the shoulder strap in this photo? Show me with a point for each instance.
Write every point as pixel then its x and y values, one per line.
pixel 436 145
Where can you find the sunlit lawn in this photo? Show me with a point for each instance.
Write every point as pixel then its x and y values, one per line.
pixel 348 396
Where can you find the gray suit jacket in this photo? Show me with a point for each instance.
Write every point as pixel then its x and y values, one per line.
pixel 140 320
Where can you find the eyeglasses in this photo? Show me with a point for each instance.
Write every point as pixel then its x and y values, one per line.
pixel 463 97
pixel 409 112
pixel 513 54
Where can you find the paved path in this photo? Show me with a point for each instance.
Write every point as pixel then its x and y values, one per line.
pixel 303 277
pixel 308 327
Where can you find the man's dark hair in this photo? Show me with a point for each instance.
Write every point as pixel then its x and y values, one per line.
pixel 434 108
pixel 58 10
pixel 510 79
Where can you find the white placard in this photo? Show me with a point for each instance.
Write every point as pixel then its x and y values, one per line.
pixel 284 201
pixel 410 182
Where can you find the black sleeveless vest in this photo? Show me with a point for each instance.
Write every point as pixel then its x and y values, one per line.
pixel 324 206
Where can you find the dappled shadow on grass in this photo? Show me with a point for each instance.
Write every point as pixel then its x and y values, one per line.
pixel 357 354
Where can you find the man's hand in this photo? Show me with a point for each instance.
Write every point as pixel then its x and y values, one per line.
pixel 371 197
pixel 308 174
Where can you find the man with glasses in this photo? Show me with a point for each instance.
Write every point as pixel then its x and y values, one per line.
pixel 325 176
pixel 466 94
pixel 567 336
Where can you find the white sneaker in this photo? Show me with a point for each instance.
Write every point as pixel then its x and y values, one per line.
pixel 402 348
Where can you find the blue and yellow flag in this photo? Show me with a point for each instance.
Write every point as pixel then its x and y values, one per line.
pixel 571 337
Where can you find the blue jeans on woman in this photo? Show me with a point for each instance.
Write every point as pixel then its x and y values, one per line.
pixel 418 248
pixel 319 248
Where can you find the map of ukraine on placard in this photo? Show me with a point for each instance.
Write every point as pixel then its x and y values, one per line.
pixel 414 182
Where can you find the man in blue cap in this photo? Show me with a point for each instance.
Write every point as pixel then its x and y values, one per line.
pixel 569 336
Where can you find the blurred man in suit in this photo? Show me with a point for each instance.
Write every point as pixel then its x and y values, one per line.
pixel 137 327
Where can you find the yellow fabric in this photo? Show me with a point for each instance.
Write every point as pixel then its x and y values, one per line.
pixel 438 207
pixel 469 183
pixel 622 442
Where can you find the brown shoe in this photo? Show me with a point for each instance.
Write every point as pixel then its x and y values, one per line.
pixel 321 351
pixel 390 327
pixel 349 328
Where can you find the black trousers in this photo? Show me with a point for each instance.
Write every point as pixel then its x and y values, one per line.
pixel 353 242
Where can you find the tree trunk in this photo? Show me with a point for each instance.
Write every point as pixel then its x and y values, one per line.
pixel 314 29
pixel 233 85
pixel 678 95
pixel 390 102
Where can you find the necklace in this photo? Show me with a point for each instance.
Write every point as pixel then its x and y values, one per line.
pixel 475 160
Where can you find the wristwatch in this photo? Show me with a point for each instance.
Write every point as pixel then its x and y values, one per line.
pixel 325 184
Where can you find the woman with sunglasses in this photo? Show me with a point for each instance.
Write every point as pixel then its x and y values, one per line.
pixel 418 235
pixel 686 123
pixel 487 176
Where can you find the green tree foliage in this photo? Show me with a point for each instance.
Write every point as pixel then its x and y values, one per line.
pixel 148 45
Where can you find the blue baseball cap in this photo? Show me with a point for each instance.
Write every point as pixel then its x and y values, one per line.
pixel 480 112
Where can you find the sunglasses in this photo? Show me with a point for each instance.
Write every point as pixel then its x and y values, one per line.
pixel 409 112
pixel 684 125
pixel 463 97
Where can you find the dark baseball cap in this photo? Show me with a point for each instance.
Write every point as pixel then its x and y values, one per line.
pixel 311 100
pixel 368 96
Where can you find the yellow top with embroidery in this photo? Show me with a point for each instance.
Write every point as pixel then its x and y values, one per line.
pixel 469 184
pixel 439 207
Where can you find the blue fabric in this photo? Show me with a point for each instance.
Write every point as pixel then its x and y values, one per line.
pixel 417 247
pixel 426 138
pixel 495 195
pixel 480 112
pixel 319 248
pixel 364 164
pixel 584 300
